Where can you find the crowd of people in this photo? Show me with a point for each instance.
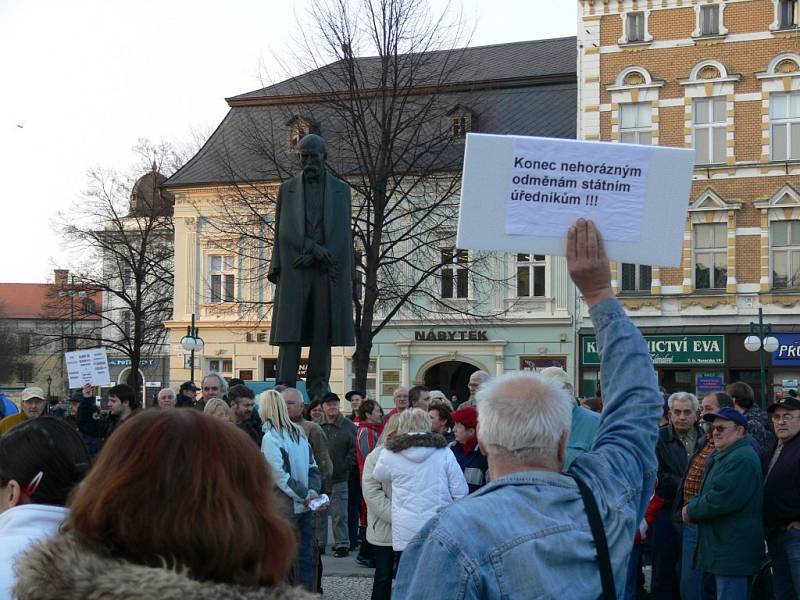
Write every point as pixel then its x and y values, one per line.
pixel 519 491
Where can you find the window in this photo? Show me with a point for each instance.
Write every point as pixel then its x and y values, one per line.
pixel 372 370
pixel 455 276
pixel 636 278
pixel 709 116
pixel 246 374
pixel 635 27
pixel 635 123
pixel 297 131
pixel 125 278
pixel 358 257
pixel 784 114
pixel 25 373
pixel 224 366
pixel 460 125
pixel 530 275
pixel 127 328
pixel 709 19
pixel 787 14
pixel 72 343
pixel 221 279
pixel 24 343
pixel 89 306
pixel 710 256
pixel 785 238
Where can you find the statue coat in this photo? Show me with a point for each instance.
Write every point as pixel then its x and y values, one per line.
pixel 287 311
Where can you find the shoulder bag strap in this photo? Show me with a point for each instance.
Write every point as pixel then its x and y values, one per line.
pixel 600 542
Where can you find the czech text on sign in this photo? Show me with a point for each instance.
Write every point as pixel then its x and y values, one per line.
pixel 788 352
pixel 670 349
pixel 87 366
pixel 552 184
pixel 450 336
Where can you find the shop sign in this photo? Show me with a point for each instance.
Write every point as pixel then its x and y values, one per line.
pixel 438 335
pixel 126 362
pixel 788 352
pixel 670 349
pixel 710 383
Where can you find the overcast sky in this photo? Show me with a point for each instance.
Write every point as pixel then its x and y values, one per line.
pixel 83 80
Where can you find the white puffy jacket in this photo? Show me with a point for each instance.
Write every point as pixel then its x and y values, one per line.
pixel 425 478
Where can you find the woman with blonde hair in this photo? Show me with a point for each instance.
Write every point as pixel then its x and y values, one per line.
pixel 297 477
pixel 218 409
pixel 424 474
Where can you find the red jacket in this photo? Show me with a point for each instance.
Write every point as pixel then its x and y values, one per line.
pixel 366 439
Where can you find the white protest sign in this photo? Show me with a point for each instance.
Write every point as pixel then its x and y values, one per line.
pixel 87 366
pixel 521 194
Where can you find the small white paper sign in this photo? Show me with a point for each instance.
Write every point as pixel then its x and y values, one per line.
pixel 87 366
pixel 521 194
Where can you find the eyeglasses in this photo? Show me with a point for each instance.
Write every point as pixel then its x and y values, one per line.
pixel 786 418
pixel 722 428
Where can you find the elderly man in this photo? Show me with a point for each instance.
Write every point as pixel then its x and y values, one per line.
pixel 692 580
pixel 782 499
pixel 400 398
pixel 166 398
pixel 728 508
pixel 212 386
pixel 544 546
pixel 476 380
pixel 677 442
pixel 584 422
pixel 32 402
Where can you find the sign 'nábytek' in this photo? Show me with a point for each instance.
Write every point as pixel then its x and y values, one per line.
pixel 434 335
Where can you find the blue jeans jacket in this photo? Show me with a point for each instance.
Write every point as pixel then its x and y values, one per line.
pixel 526 535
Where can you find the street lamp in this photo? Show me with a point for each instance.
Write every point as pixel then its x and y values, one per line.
pixel 760 339
pixel 49 381
pixel 192 343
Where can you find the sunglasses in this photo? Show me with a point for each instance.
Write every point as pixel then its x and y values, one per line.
pixel 722 428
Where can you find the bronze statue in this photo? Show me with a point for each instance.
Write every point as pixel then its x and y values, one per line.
pixel 312 269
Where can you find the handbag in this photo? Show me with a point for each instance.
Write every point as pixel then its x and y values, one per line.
pixel 599 536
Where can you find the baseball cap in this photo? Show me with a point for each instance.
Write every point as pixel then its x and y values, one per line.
pixel 467 416
pixel 32 392
pixel 330 397
pixel 729 414
pixel 188 385
pixel 789 402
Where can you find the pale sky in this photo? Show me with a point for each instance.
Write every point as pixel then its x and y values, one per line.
pixel 83 80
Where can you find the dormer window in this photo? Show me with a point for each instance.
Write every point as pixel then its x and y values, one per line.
pixel 709 19
pixel 636 27
pixel 462 121
pixel 299 127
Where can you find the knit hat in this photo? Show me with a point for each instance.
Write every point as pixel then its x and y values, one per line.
pixel 467 416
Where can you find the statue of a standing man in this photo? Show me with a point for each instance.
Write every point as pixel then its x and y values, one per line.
pixel 312 269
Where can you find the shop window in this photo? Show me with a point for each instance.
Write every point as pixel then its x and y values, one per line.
pixel 710 256
pixel 635 123
pixel 785 246
pixel 709 118
pixel 636 278
pixel 787 14
pixel 454 273
pixel 709 19
pixel 635 27
pixel 221 279
pixel 372 377
pixel 530 275
pixel 784 114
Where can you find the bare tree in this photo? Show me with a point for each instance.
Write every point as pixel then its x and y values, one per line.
pixel 121 233
pixel 382 80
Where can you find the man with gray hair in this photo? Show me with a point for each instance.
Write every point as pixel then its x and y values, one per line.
pixel 545 543
pixel 212 386
pixel 476 380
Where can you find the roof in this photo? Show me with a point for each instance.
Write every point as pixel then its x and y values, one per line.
pixel 35 301
pixel 524 88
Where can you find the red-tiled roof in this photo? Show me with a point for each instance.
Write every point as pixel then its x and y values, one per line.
pixel 41 301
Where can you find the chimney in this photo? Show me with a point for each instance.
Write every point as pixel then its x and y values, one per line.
pixel 61 277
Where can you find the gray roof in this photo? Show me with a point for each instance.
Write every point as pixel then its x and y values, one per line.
pixel 524 88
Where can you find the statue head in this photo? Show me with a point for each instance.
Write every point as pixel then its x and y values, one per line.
pixel 312 156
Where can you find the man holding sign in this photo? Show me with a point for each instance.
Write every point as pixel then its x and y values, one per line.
pixel 550 538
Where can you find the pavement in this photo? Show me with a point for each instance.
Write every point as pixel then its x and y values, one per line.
pixel 344 579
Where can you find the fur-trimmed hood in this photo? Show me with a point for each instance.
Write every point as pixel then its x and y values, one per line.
pixel 416 440
pixel 60 568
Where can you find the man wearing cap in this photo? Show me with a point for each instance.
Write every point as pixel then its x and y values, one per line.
pixel 782 499
pixel 341 435
pixel 187 395
pixel 355 398
pixel 470 458
pixel 32 402
pixel 728 509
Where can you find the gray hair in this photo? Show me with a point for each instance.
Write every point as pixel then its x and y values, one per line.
pixel 524 415
pixel 167 389
pixel 223 384
pixel 289 391
pixel 483 376
pixel 683 397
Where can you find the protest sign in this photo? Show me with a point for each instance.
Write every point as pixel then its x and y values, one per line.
pixel 87 366
pixel 521 194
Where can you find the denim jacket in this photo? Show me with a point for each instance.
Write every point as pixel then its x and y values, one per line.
pixel 526 535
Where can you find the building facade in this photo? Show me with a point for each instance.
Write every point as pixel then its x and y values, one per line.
pixel 722 77
pixel 521 88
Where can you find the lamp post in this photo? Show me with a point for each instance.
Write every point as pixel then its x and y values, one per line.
pixel 49 381
pixel 191 343
pixel 760 338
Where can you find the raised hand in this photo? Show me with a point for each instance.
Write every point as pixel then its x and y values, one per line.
pixel 588 263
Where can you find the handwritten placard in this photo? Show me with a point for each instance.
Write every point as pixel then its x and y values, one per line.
pixel 87 366
pixel 521 194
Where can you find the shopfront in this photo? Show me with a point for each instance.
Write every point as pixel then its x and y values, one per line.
pixel 785 363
